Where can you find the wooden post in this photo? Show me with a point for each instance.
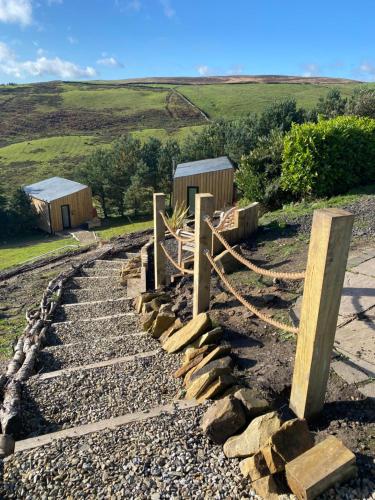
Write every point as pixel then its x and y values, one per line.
pixel 326 263
pixel 159 237
pixel 204 205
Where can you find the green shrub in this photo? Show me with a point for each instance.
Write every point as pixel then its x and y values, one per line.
pixel 329 157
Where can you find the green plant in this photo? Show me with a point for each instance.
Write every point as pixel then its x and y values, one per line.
pixel 179 214
pixel 329 157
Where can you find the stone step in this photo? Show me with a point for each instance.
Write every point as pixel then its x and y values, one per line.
pixel 99 271
pixel 88 395
pixel 160 453
pixel 98 349
pixel 109 280
pixel 93 309
pixel 74 296
pixel 93 328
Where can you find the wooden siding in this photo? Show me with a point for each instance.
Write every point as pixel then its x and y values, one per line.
pixel 41 209
pixel 219 184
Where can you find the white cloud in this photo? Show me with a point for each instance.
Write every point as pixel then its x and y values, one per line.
pixel 16 11
pixel 167 8
pixel 111 62
pixel 42 66
pixel 367 68
pixel 72 40
pixel 310 70
pixel 203 70
pixel 52 2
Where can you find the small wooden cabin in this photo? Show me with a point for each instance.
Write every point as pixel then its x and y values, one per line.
pixel 215 176
pixel 60 203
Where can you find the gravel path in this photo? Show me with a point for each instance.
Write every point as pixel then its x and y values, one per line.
pixel 89 294
pixel 99 271
pixel 84 353
pixel 94 309
pixel 91 395
pixel 163 457
pixel 66 333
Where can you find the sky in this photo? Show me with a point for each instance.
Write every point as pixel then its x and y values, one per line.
pixel 43 40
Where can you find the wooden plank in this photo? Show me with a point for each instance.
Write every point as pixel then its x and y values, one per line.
pixel 326 263
pixel 204 204
pixel 159 237
pixel 319 468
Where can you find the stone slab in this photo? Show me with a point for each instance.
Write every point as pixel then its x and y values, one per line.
pixel 348 372
pixel 358 294
pixel 356 258
pixel 367 267
pixel 368 390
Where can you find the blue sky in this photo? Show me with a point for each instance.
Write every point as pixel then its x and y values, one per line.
pixel 114 39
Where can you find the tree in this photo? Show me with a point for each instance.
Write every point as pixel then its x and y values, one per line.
pixel 96 172
pixel 332 105
pixel 169 156
pixel 280 115
pixel 362 103
pixel 150 154
pixel 139 194
pixel 21 214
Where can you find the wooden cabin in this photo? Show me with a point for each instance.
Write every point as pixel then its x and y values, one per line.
pixel 60 203
pixel 215 176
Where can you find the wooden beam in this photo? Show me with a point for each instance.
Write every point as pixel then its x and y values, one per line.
pixel 204 205
pixel 159 237
pixel 326 263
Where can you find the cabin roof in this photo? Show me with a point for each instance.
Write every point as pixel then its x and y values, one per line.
pixel 53 189
pixel 203 166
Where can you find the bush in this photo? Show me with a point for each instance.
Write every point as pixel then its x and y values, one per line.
pixel 329 157
pixel 362 102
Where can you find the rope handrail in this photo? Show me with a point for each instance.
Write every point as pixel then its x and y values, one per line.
pixel 174 263
pixel 246 303
pixel 173 233
pixel 249 264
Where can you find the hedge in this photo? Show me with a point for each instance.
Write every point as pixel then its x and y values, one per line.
pixel 329 157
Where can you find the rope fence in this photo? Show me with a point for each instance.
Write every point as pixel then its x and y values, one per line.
pixel 174 233
pixel 246 303
pixel 174 263
pixel 249 264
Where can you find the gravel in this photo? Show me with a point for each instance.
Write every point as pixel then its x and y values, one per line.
pixel 99 271
pixel 89 294
pixel 163 457
pixel 80 331
pixel 93 310
pixel 91 395
pixel 59 357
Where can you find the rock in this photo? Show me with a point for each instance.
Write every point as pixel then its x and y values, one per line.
pixel 252 401
pixel 223 419
pixel 266 488
pixel 232 390
pixel 146 308
pixel 211 337
pixel 219 367
pixel 188 333
pixel 211 365
pixel 171 330
pixel 320 468
pixel 227 262
pixel 188 366
pixel 163 321
pixel 158 301
pixel 191 352
pixel 216 388
pixel 254 467
pixel 292 439
pixel 274 461
pixel 254 437
pixel 6 445
pixel 146 297
pixel 148 319
pixel 217 352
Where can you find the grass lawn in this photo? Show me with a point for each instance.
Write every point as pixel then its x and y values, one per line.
pixel 234 100
pixel 17 251
pixel 117 226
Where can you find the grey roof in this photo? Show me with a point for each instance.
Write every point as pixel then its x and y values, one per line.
pixel 53 188
pixel 202 166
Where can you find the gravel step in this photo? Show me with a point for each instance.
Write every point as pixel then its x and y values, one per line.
pixel 162 457
pixel 83 353
pixel 93 281
pixel 89 294
pixel 86 396
pixel 110 264
pixel 94 309
pixel 81 331
pixel 99 271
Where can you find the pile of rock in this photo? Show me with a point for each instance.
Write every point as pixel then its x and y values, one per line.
pixel 132 269
pixel 277 456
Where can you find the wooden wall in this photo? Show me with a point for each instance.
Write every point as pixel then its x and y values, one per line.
pixel 80 204
pixel 219 184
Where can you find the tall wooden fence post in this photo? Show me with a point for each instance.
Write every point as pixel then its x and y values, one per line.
pixel 159 237
pixel 204 205
pixel 326 263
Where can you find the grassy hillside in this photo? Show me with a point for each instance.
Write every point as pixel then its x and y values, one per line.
pixel 47 129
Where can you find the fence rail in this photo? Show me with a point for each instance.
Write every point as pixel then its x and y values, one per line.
pixel 174 263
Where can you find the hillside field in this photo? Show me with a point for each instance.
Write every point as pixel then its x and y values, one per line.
pixel 48 128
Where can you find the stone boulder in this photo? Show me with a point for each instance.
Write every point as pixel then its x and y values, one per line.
pixel 177 325
pixel 254 467
pixel 191 352
pixel 218 368
pixel 218 352
pixel 223 419
pixel 211 337
pixel 292 439
pixel 148 319
pixel 188 333
pixel 147 297
pixel 254 437
pixel 162 322
pixel 253 402
pixel 188 366
pixel 216 388
pixel 266 488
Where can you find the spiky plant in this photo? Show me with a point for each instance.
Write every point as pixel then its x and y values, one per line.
pixel 176 220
